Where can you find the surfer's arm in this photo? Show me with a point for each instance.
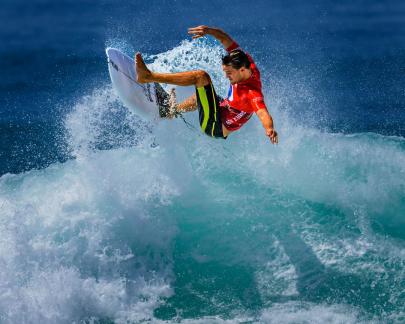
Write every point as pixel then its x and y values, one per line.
pixel 219 34
pixel 267 123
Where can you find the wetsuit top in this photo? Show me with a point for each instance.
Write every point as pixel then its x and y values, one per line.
pixel 244 98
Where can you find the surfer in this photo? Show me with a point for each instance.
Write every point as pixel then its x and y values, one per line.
pixel 218 117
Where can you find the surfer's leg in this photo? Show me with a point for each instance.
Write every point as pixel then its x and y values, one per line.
pixel 189 104
pixel 199 78
pixel 209 111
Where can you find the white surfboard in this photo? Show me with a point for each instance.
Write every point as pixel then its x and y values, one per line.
pixel 143 99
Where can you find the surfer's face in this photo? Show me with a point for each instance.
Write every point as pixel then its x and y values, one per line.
pixel 235 75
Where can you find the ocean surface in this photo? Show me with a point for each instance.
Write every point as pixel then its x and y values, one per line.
pixel 106 218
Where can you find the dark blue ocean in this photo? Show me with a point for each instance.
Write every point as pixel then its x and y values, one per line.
pixel 106 218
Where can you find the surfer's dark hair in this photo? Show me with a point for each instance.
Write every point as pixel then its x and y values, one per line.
pixel 237 59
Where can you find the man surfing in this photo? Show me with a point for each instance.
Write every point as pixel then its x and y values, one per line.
pixel 218 117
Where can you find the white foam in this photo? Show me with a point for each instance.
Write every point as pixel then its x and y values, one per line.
pixel 296 312
pixel 93 236
pixel 292 312
pixel 62 252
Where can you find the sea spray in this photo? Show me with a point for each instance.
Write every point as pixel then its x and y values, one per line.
pixel 158 222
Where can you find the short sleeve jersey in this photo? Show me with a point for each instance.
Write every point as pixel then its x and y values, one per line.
pixel 244 98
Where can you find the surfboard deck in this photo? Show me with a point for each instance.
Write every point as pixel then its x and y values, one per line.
pixel 147 100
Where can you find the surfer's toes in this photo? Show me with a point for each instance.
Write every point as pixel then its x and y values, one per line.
pixel 142 71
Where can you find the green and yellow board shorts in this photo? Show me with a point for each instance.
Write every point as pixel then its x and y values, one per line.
pixel 208 109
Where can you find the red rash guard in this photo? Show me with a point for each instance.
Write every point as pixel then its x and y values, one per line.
pixel 244 98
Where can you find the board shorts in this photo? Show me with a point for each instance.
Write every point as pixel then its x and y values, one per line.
pixel 209 111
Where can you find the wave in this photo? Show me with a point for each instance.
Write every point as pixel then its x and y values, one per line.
pixel 158 222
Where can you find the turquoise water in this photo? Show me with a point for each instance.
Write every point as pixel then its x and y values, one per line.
pixel 174 226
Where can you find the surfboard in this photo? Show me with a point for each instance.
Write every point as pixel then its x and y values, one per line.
pixel 148 100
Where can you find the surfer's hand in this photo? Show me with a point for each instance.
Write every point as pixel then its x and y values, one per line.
pixel 272 134
pixel 267 123
pixel 198 31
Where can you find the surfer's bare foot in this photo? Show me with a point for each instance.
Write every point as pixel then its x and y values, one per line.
pixel 143 73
